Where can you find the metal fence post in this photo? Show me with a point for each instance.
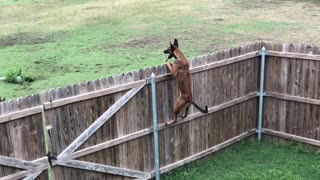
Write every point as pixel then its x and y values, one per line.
pixel 45 136
pixel 155 128
pixel 261 93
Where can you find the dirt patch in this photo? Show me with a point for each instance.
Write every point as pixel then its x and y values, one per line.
pixel 213 47
pixel 140 42
pixel 93 8
pixel 248 4
pixel 139 26
pixel 218 19
pixel 23 38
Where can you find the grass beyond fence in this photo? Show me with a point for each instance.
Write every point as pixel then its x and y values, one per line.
pixel 251 161
pixel 72 41
pixel 291 112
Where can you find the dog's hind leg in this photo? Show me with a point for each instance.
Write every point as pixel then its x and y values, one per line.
pixel 186 109
pixel 181 102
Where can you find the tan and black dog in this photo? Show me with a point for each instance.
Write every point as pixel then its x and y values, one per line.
pixel 180 69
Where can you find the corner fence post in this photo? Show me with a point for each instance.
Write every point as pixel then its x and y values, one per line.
pixel 261 93
pixel 155 128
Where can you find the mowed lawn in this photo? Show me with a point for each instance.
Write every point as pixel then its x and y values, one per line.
pixel 64 42
pixel 250 160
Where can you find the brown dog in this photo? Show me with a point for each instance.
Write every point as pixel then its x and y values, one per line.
pixel 180 69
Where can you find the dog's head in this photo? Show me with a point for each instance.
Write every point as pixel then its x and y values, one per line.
pixel 171 49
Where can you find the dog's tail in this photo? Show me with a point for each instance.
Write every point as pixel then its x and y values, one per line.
pixel 199 108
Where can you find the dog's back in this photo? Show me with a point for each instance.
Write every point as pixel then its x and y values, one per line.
pixel 183 75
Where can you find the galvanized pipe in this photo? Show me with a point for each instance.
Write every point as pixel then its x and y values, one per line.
pixel 155 128
pixel 263 53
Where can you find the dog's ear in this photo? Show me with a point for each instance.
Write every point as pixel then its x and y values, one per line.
pixel 175 43
pixel 171 46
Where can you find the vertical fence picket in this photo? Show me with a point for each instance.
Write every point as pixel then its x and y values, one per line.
pixel 292 78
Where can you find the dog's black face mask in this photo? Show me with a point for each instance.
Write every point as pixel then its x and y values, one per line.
pixel 171 49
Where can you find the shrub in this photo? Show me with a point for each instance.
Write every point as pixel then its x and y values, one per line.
pixel 14 75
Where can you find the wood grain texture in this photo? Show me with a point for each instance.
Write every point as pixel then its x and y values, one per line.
pixel 94 89
pixel 20 114
pixel 106 169
pixel 226 81
pixel 292 137
pixel 292 85
pixel 93 94
pixel 69 120
pixel 293 98
pixel 99 122
pixel 294 55
pixel 17 163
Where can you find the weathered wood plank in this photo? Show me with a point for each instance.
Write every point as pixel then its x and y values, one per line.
pixel 138 134
pixel 100 121
pixel 106 169
pixel 291 137
pixel 225 62
pixel 298 77
pixel 28 165
pixel 17 163
pixel 293 98
pixel 294 55
pixel 32 164
pixel 193 125
pixel 122 118
pixel 284 82
pixel 77 154
pixel 46 145
pixel 75 164
pixel 20 114
pixel 94 94
pixel 213 65
pixel 110 143
pixel 162 126
pixel 211 110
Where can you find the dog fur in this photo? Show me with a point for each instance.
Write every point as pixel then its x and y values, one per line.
pixel 180 69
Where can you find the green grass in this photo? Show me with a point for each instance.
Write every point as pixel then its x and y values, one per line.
pixel 65 42
pixel 252 161
pixel 259 27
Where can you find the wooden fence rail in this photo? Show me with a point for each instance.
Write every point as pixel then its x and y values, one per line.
pixel 120 147
pixel 111 90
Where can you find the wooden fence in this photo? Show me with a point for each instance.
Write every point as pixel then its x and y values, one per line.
pixel 122 147
pixel 292 103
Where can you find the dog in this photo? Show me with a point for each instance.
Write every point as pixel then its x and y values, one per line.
pixel 2 100
pixel 180 70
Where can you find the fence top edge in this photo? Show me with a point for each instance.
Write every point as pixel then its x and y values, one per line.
pixel 46 95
